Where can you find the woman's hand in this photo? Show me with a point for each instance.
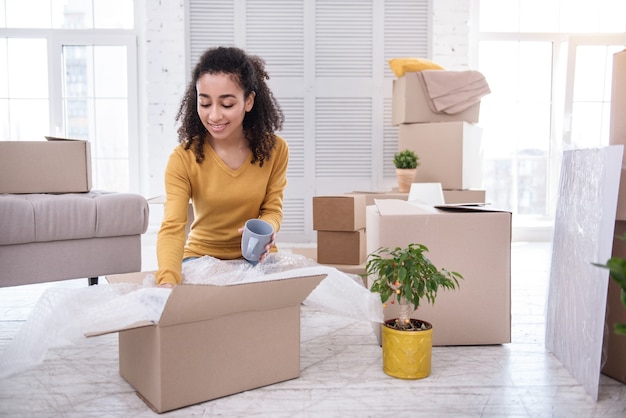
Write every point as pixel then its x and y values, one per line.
pixel 268 247
pixel 166 285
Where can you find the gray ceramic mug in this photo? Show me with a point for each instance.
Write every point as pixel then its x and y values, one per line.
pixel 257 233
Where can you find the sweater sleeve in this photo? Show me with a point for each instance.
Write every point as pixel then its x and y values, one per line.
pixel 171 236
pixel 272 207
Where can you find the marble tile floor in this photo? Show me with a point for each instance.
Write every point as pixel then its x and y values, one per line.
pixel 341 372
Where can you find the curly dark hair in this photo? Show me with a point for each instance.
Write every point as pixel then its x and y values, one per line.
pixel 259 123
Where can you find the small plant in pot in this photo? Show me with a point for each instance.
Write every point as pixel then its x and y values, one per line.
pixel 406 163
pixel 406 277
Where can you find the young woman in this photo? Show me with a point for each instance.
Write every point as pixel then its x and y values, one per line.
pixel 230 163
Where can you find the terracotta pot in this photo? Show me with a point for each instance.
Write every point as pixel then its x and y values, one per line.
pixel 406 177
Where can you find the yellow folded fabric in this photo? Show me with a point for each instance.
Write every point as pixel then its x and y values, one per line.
pixel 400 66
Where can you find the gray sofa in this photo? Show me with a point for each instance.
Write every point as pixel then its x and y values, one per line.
pixel 48 237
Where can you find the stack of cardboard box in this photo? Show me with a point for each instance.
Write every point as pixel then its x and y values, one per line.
pixel 448 145
pixel 340 225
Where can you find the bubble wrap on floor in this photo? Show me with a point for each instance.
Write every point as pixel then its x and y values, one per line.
pixel 64 316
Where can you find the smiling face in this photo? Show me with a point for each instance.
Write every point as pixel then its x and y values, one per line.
pixel 222 106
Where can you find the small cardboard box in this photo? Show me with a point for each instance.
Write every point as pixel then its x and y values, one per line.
pixel 341 247
pixel 409 104
pixel 450 153
pixel 614 344
pixel 463 196
pixel 311 252
pixel 53 166
pixel 339 213
pixel 473 241
pixel 213 341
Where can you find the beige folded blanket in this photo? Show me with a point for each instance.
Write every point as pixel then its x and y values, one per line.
pixel 452 92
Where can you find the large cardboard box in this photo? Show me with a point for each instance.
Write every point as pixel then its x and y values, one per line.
pixel 473 241
pixel 463 196
pixel 450 153
pixel 409 104
pixel 614 344
pixel 339 213
pixel 53 166
pixel 213 341
pixel 341 247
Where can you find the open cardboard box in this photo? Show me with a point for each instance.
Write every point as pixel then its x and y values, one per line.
pixel 472 240
pixel 214 341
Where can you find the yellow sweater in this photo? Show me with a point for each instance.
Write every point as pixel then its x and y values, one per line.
pixel 223 200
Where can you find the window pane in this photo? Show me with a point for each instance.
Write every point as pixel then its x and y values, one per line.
pixel 535 71
pixel 593 73
pixel 499 15
pixel 29 119
pixel 587 121
pixel 539 15
pixel 78 70
pixel 28 68
pixel 28 13
pixel 4 70
pixel 532 176
pixel 516 123
pixel 5 131
pixel 111 128
pixel 96 108
pixel 79 119
pixel 72 14
pixel 552 16
pixel 110 71
pixel 111 174
pixel 114 14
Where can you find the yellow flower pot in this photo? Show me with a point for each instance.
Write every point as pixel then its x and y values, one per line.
pixel 407 354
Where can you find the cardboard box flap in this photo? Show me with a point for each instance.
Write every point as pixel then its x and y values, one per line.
pixel 472 207
pixel 190 303
pixel 54 138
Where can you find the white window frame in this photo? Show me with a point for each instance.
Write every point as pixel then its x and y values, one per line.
pixel 56 39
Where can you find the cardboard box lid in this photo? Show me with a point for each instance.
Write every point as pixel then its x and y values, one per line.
pixel 54 138
pixel 390 207
pixel 192 303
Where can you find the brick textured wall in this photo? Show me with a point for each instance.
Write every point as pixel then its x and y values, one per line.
pixel 162 57
pixel 451 33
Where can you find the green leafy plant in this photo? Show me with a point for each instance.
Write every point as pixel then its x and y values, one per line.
pixel 406 159
pixel 408 277
pixel 617 270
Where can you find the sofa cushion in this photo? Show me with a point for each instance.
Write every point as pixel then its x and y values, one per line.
pixel 53 217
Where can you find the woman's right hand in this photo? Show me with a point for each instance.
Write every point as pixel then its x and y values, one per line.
pixel 166 285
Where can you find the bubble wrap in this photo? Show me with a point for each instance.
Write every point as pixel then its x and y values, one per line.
pixel 63 316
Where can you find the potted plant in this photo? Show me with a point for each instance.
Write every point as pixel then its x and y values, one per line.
pixel 406 163
pixel 617 269
pixel 406 277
